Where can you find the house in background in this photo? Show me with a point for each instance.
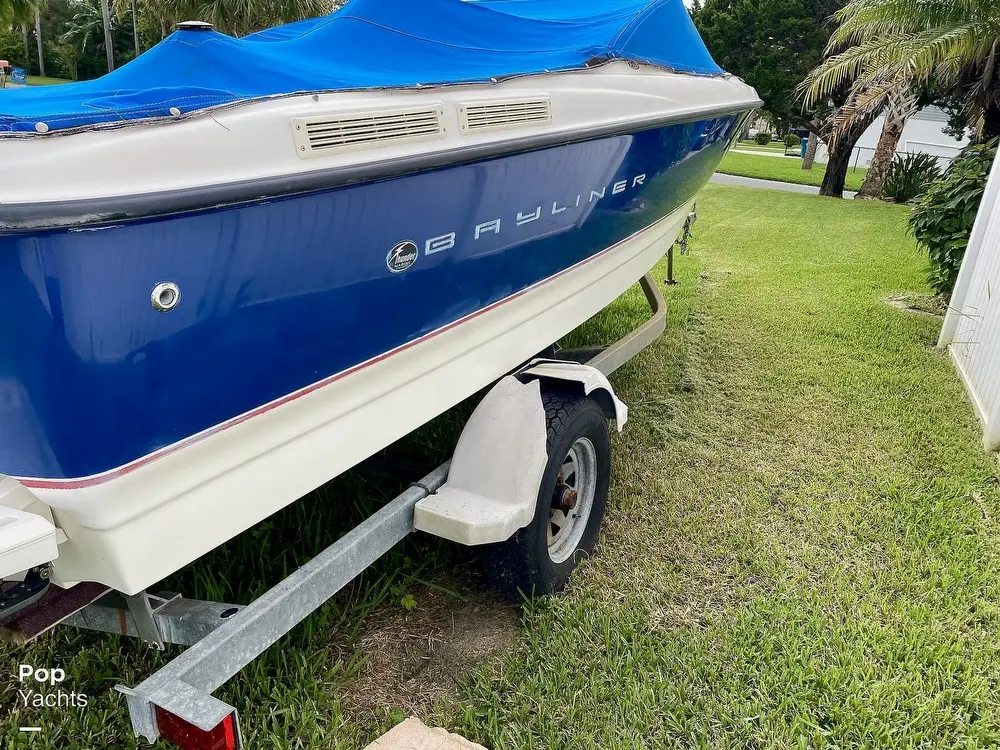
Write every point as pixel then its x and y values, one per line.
pixel 924 133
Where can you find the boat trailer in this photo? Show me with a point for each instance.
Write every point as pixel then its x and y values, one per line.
pixel 176 702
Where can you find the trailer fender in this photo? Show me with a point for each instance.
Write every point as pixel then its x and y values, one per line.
pixel 592 383
pixel 496 470
pixel 498 464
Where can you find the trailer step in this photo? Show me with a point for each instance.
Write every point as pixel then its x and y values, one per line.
pixel 495 471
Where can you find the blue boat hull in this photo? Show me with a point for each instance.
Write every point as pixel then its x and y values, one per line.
pixel 280 294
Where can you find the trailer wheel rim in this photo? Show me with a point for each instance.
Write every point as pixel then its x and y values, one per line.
pixel 572 500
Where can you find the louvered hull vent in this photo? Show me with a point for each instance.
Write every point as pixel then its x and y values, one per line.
pixel 475 117
pixel 331 134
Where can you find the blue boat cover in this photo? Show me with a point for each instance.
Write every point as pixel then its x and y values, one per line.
pixel 370 44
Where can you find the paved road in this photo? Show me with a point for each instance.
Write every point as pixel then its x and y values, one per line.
pixel 788 187
pixel 752 152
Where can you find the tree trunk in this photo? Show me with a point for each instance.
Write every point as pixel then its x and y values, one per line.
pixel 901 106
pixel 811 146
pixel 885 151
pixel 108 44
pixel 841 149
pixel 38 41
pixel 135 28
pixel 836 169
pixel 991 122
pixel 27 47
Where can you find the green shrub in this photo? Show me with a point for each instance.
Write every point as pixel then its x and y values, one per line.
pixel 909 176
pixel 11 48
pixel 792 140
pixel 763 139
pixel 942 219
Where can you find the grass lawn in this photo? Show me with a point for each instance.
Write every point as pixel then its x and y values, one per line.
pixel 801 550
pixel 783 170
pixel 752 145
pixel 45 80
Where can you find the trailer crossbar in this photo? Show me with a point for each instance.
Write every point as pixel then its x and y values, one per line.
pixel 607 359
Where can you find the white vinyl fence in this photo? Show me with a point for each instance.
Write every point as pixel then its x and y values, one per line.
pixel 972 325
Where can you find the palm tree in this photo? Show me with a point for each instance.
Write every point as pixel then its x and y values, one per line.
pixel 123 8
pixel 811 146
pixel 898 111
pixel 18 13
pixel 15 11
pixel 135 27
pixel 241 17
pixel 108 43
pixel 92 18
pixel 86 26
pixel 38 40
pixel 26 41
pixel 160 12
pixel 886 46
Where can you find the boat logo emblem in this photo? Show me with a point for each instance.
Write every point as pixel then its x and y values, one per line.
pixel 402 256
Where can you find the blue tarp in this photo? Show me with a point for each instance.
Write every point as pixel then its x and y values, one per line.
pixel 370 44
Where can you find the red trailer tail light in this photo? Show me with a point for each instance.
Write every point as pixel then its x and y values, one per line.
pixel 223 736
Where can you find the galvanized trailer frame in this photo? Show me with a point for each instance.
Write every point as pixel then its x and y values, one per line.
pixel 225 638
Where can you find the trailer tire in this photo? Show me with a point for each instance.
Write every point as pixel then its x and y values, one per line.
pixel 539 558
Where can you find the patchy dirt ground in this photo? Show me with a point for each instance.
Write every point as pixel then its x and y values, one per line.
pixel 928 304
pixel 418 658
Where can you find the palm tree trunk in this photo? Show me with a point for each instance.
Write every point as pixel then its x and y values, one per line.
pixel 896 115
pixel 38 41
pixel 885 151
pixel 108 44
pixel 27 48
pixel 135 28
pixel 811 146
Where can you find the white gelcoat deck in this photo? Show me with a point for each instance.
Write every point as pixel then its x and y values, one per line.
pixel 135 526
pixel 213 147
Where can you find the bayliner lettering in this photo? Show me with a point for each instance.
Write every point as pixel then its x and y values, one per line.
pixel 494 227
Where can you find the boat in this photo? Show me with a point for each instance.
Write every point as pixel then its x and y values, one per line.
pixel 233 269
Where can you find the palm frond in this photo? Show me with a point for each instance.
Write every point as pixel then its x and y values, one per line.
pixel 938 52
pixel 880 45
pixel 16 11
